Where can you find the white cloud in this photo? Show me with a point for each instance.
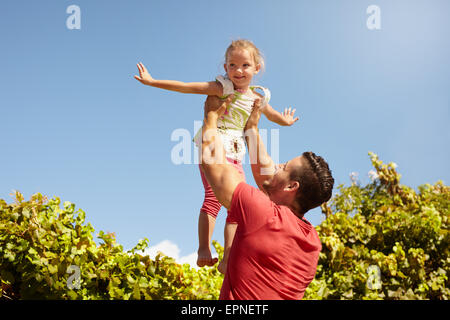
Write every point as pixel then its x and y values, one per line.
pixel 172 250
pixel 167 247
pixel 191 259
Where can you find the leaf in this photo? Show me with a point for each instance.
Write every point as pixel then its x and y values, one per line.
pixel 52 269
pixel 136 292
pixel 143 282
pixel 72 295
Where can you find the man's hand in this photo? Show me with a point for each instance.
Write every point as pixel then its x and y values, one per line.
pixel 253 119
pixel 215 107
pixel 144 76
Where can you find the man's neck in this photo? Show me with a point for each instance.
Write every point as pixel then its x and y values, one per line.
pixel 295 208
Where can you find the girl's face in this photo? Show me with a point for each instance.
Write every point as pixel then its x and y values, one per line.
pixel 241 68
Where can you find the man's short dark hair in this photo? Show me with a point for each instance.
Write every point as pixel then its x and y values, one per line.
pixel 316 182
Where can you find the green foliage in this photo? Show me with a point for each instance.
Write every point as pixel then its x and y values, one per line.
pixel 380 241
pixel 39 241
pixel 388 228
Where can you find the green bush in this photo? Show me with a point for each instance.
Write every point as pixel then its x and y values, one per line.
pixel 384 241
pixel 380 241
pixel 39 242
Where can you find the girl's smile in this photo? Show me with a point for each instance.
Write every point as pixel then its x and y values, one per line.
pixel 241 68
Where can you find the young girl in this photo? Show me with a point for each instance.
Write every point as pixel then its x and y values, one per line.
pixel 242 61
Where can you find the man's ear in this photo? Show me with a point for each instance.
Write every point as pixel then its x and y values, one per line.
pixel 225 67
pixel 292 186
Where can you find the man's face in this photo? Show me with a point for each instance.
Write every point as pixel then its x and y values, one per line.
pixel 276 186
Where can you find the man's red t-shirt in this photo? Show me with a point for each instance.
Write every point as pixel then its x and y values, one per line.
pixel 274 253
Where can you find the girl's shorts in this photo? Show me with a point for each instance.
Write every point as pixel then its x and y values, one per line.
pixel 211 205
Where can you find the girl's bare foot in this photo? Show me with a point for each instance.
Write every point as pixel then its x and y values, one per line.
pixel 204 258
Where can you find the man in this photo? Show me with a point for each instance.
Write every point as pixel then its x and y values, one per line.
pixel 275 250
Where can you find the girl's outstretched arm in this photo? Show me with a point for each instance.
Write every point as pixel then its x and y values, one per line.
pixel 283 119
pixel 211 88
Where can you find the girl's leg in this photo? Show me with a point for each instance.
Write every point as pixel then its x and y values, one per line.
pixel 230 230
pixel 206 223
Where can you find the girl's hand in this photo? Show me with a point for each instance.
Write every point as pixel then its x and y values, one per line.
pixel 144 76
pixel 288 115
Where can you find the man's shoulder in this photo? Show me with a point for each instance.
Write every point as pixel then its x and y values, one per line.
pixel 248 197
pixel 251 207
pixel 244 190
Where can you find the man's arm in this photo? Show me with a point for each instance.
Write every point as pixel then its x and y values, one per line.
pixel 221 175
pixel 261 163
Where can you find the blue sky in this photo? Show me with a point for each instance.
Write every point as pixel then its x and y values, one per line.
pixel 77 125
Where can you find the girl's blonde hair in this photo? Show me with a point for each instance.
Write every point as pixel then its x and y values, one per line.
pixel 248 45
